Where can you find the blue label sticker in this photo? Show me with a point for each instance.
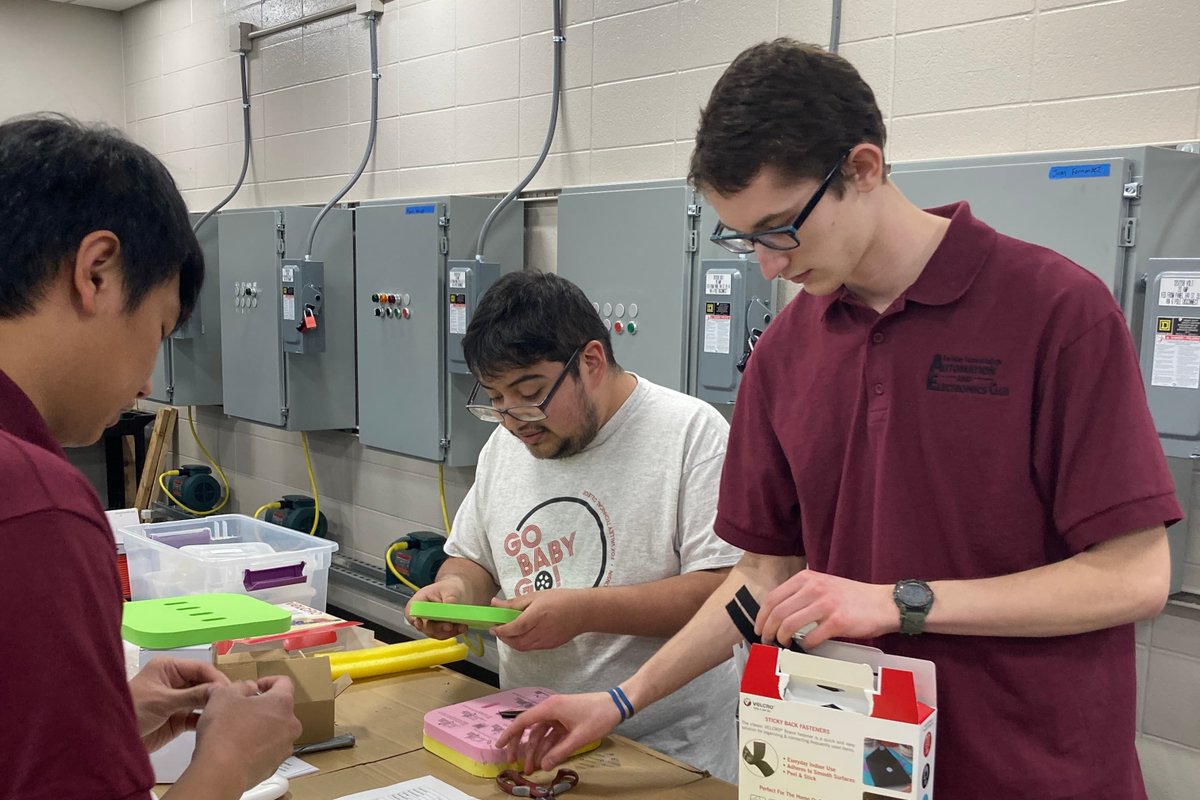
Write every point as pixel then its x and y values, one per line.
pixel 420 210
pixel 1069 171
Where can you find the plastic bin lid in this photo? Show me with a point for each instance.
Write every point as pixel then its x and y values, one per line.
pixel 169 622
pixel 471 616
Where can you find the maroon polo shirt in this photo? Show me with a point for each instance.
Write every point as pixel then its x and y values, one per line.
pixel 69 729
pixel 991 421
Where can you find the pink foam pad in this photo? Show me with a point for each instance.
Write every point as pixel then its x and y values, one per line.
pixel 472 728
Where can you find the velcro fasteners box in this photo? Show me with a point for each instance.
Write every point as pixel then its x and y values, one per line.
pixel 230 553
pixel 852 723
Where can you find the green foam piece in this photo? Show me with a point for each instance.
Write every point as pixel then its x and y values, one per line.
pixel 168 622
pixel 471 616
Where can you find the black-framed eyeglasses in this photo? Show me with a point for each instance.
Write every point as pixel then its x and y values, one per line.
pixel 526 412
pixel 783 238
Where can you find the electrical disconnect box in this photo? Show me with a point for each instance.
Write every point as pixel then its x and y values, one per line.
pixel 641 253
pixel 466 282
pixel 734 304
pixel 411 257
pixel 188 369
pixel 1127 215
pixel 287 333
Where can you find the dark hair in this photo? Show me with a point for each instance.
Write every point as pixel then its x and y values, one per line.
pixel 531 316
pixel 61 180
pixel 785 105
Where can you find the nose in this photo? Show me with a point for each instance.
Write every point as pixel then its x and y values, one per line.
pixel 512 425
pixel 147 387
pixel 771 262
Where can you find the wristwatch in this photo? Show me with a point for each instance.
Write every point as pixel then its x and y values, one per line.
pixel 914 598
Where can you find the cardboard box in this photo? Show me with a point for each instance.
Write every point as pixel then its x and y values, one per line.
pixel 851 723
pixel 315 690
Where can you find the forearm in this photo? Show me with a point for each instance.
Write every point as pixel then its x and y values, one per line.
pixel 659 608
pixel 709 637
pixel 476 585
pixel 1113 583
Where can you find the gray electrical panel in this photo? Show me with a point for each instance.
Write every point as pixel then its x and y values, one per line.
pixel 466 283
pixel 734 304
pixel 1127 214
pixel 639 251
pixel 1171 352
pixel 410 402
pixel 270 377
pixel 187 371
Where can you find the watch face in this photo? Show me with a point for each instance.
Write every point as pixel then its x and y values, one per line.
pixel 913 595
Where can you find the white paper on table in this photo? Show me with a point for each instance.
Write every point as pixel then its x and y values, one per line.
pixel 294 768
pixel 426 788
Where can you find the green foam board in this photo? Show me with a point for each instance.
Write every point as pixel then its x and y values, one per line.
pixel 169 622
pixel 471 616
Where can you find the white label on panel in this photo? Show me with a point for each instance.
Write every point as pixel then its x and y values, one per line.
pixel 718 283
pixel 1179 292
pixel 289 274
pixel 716 333
pixel 458 279
pixel 458 318
pixel 289 306
pixel 1176 361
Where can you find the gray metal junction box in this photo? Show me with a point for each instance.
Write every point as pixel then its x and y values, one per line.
pixel 641 254
pixel 187 371
pixel 411 400
pixel 297 391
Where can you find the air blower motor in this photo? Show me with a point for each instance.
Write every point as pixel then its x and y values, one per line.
pixel 194 488
pixel 296 512
pixel 417 556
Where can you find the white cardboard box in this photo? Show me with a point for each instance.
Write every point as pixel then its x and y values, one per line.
pixel 852 723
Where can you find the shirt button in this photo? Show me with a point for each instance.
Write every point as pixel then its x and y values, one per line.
pixel 879 388
pixel 878 338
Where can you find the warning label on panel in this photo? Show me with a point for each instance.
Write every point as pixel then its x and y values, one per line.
pixel 1179 292
pixel 1177 353
pixel 717 324
pixel 458 313
pixel 458 279
pixel 289 306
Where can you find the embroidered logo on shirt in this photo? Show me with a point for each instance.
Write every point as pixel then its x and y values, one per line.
pixel 560 542
pixel 965 375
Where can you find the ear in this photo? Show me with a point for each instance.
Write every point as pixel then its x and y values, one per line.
pixel 593 362
pixel 865 167
pixel 96 272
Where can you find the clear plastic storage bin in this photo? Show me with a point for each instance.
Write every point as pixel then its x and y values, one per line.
pixel 228 553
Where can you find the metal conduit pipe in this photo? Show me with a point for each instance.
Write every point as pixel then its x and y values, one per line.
pixel 373 21
pixel 559 40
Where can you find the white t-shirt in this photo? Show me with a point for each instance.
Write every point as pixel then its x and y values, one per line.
pixel 635 506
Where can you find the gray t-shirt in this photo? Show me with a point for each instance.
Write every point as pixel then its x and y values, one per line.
pixel 636 506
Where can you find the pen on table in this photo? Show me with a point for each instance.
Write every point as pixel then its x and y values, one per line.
pixel 512 713
pixel 345 740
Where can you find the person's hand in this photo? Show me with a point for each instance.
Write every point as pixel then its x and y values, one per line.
pixel 557 728
pixel 839 607
pixel 549 619
pixel 166 695
pixel 249 725
pixel 443 591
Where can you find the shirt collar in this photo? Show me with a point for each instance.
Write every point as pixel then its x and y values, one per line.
pixel 953 267
pixel 19 417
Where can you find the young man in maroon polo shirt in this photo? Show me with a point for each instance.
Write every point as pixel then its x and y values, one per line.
pixel 941 447
pixel 97 265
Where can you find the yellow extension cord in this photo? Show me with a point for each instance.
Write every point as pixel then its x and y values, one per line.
pixel 212 462
pixel 312 480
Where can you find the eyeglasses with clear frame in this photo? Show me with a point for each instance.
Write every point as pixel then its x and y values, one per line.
pixel 525 412
pixel 782 238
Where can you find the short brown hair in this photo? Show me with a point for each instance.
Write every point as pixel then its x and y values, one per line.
pixel 786 105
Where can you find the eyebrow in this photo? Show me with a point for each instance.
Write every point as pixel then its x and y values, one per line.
pixel 787 214
pixel 530 376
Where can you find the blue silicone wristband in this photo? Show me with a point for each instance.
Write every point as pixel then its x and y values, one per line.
pixel 628 705
pixel 620 708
